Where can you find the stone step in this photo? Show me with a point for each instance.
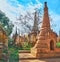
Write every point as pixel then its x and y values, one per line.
pixel 26 56
pixel 24 51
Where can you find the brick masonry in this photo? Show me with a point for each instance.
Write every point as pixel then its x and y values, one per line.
pixel 45 46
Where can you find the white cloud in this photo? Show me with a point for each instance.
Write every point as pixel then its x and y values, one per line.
pixel 12 12
pixel 9 10
pixel 6 8
pixel 55 20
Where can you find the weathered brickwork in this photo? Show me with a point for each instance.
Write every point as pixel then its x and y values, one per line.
pixel 45 46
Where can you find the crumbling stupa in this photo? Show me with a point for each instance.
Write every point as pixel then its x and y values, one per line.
pixel 46 44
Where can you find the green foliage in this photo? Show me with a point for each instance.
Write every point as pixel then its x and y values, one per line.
pixel 4 21
pixel 58 44
pixel 5 51
pixel 13 51
pixel 9 28
pixel 26 46
pixel 10 40
pixel 13 55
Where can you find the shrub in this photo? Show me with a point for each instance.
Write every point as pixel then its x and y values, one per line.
pixel 58 44
pixel 26 46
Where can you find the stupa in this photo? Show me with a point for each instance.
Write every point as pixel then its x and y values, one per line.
pixel 35 30
pixel 46 44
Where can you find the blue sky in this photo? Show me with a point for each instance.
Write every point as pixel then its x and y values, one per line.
pixel 13 8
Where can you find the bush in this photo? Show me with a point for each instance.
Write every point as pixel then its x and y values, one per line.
pixel 58 44
pixel 14 57
pixel 26 46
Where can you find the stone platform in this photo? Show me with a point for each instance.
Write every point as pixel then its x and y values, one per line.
pixel 26 56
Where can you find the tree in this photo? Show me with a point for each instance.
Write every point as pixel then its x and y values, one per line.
pixel 5 22
pixel 27 20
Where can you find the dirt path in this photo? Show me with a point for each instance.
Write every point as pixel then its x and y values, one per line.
pixel 42 60
pixel 27 57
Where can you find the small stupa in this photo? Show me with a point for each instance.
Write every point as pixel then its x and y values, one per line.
pixel 35 30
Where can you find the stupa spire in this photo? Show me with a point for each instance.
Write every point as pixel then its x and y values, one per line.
pixel 46 21
pixel 35 26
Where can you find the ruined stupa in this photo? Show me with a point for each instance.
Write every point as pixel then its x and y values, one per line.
pixel 46 44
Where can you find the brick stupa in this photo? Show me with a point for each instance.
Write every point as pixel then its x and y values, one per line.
pixel 46 44
pixel 35 30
